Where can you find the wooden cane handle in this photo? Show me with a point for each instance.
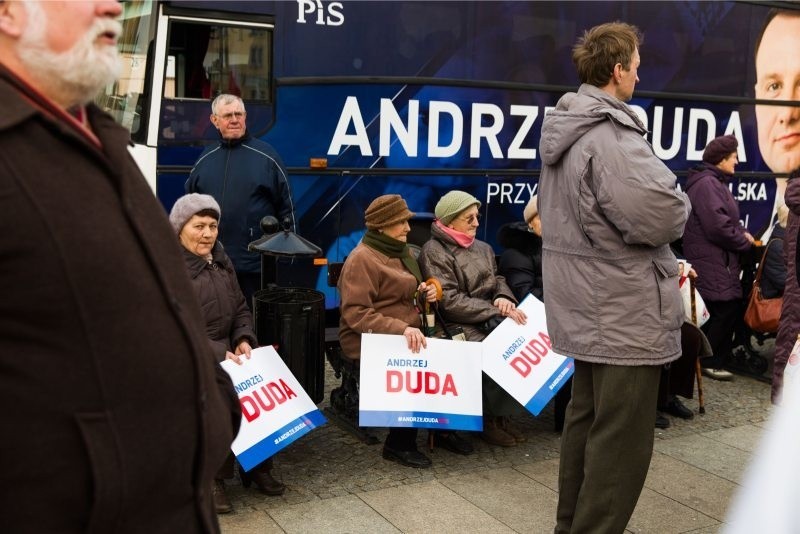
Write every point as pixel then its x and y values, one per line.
pixel 435 283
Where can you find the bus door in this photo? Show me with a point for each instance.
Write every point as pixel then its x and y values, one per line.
pixel 176 60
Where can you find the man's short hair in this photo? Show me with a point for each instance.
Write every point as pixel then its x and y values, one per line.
pixel 774 12
pixel 223 100
pixel 602 47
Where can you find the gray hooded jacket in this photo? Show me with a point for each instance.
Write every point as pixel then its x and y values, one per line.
pixel 609 210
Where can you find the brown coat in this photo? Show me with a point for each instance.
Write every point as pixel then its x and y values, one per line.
pixel 114 416
pixel 470 283
pixel 377 297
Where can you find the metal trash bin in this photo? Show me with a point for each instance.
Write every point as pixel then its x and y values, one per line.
pixel 293 319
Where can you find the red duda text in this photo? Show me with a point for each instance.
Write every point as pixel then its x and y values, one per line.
pixel 265 398
pixel 420 382
pixel 531 354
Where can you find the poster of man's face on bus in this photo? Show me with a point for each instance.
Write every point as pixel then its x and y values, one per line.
pixel 777 62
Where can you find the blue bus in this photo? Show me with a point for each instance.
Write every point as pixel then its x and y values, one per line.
pixel 419 98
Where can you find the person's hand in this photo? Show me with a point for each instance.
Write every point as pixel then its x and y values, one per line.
pixel 416 341
pixel 429 290
pixel 749 237
pixel 244 348
pixel 234 357
pixel 509 309
pixel 692 274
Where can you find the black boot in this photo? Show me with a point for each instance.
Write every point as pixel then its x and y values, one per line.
pixel 221 503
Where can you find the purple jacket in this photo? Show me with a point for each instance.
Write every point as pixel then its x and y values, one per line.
pixel 789 326
pixel 714 237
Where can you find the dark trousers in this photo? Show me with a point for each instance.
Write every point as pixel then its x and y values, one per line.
pixel 719 330
pixel 606 446
pixel 250 283
pixel 677 378
pixel 402 439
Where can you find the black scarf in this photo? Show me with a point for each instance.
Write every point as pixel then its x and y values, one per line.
pixel 394 249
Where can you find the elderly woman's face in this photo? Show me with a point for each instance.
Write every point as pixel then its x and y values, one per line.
pixel 467 221
pixel 199 234
pixel 728 165
pixel 397 231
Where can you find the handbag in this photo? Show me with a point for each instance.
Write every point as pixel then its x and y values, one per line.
pixel 762 315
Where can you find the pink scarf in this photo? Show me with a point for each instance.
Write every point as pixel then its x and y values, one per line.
pixel 462 240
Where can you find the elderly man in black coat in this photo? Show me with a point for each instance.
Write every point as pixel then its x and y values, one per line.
pixel 115 414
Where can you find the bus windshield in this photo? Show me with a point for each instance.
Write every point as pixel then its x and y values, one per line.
pixel 125 98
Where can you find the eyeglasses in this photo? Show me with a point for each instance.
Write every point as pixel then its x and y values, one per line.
pixel 470 219
pixel 231 115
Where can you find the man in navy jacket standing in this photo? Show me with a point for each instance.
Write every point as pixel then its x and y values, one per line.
pixel 247 178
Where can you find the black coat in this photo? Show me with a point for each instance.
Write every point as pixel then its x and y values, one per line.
pixel 521 262
pixel 228 319
pixel 115 415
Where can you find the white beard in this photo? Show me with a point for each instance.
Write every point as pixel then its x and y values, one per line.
pixel 77 75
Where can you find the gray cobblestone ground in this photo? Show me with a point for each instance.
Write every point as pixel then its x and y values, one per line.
pixel 330 462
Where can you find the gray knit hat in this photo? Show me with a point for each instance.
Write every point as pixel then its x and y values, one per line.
pixel 189 205
pixel 532 209
pixel 453 203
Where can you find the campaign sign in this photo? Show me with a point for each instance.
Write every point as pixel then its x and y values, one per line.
pixel 276 411
pixel 439 387
pixel 520 360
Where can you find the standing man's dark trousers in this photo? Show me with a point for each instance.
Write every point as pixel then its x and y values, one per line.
pixel 249 283
pixel 606 446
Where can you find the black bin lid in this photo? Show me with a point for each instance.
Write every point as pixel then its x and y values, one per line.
pixel 283 242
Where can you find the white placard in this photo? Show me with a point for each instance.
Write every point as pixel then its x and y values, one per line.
pixel 276 410
pixel 520 360
pixel 440 387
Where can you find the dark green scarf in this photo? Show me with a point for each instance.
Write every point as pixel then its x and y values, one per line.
pixel 394 249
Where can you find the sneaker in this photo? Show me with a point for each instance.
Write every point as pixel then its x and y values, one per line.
pixel 677 408
pixel 717 374
pixel 661 421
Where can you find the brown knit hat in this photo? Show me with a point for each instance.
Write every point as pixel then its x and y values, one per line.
pixel 386 210
pixel 719 149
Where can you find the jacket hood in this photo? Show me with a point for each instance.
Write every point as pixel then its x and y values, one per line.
pixel 577 113
pixel 516 235
pixel 705 169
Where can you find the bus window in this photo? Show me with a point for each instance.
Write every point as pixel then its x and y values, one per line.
pixel 125 99
pixel 207 59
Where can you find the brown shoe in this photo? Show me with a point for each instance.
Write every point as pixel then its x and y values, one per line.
pixel 493 434
pixel 221 503
pixel 262 476
pixel 514 432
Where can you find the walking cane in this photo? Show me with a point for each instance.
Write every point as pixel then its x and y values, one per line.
pixel 697 370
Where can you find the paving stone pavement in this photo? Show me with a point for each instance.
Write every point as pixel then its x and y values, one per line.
pixel 337 484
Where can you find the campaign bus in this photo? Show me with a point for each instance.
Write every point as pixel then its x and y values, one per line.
pixel 418 98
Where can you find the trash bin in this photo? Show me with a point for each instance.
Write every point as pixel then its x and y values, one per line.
pixel 293 319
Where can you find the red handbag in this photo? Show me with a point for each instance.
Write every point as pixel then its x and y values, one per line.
pixel 762 315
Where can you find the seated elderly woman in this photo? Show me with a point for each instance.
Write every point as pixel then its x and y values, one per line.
pixel 378 284
pixel 229 325
pixel 474 297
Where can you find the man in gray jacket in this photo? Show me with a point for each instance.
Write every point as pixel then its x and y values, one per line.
pixel 609 210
